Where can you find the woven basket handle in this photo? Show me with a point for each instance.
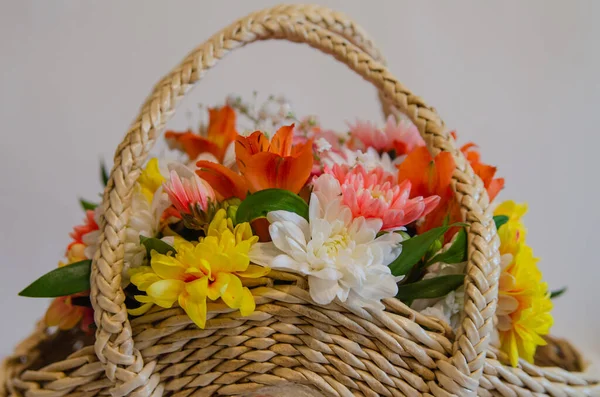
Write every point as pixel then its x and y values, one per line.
pixel 114 344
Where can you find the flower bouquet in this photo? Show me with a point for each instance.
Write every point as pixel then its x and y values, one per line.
pixel 266 249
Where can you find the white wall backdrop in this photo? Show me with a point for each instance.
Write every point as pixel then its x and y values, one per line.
pixel 519 78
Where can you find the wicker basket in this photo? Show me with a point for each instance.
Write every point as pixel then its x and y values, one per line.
pixel 332 349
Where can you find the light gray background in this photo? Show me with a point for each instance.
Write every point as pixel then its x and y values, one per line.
pixel 519 78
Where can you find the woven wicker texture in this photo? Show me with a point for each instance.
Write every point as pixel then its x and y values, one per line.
pixel 334 349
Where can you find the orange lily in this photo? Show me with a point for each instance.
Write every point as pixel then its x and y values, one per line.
pixel 262 165
pixel 484 171
pixel 220 133
pixel 431 176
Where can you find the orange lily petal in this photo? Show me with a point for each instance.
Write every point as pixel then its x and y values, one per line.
pixel 221 128
pixel 269 170
pixel 223 180
pixel 246 147
pixel 445 165
pixel 434 182
pixel 281 143
pixel 494 188
pixel 192 144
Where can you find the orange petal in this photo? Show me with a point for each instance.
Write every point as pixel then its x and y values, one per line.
pixel 301 166
pixel 445 166
pixel 494 188
pixel 192 144
pixel 412 169
pixel 281 143
pixel 261 171
pixel 269 170
pixel 63 314
pixel 223 180
pixel 221 128
pixel 246 147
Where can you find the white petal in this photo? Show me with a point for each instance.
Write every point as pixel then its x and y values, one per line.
pixel 286 262
pixel 181 169
pixel 322 291
pixel 263 253
pixel 314 208
pixel 328 273
pixel 278 234
pixel 327 186
pixel 288 216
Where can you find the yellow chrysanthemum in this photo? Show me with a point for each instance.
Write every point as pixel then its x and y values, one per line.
pixel 150 179
pixel 523 300
pixel 211 269
pixel 513 232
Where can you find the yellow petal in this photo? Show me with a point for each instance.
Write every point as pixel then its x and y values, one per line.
pixel 198 289
pixel 218 287
pixel 512 350
pixel 254 271
pixel 165 292
pixel 248 304
pixel 234 293
pixel 144 278
pixel 140 310
pixel 167 267
pixel 195 308
pixel 150 179
pixel 243 232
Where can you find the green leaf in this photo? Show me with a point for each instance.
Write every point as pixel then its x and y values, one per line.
pixel 558 292
pixel 415 248
pixel 66 280
pixel 156 244
pixel 456 253
pixel 103 173
pixel 259 204
pixel 86 205
pixel 430 288
pixel 500 220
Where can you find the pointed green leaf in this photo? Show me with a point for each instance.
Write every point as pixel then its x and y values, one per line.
pixel 103 173
pixel 500 220
pixel 416 247
pixel 155 244
pixel 86 205
pixel 557 293
pixel 430 288
pixel 456 253
pixel 259 204
pixel 66 280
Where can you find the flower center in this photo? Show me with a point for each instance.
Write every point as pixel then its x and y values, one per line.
pixel 334 244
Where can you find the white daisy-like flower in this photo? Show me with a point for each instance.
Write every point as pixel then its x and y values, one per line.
pixel 370 159
pixel 322 145
pixel 342 257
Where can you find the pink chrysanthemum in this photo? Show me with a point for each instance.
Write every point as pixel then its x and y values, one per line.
pixel 401 135
pixel 188 193
pixel 376 194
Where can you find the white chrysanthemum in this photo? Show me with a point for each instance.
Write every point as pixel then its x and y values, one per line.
pixel 144 221
pixel 342 257
pixel 369 159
